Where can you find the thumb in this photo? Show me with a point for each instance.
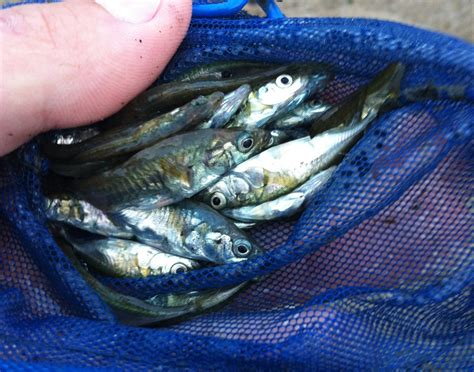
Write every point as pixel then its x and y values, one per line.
pixel 77 62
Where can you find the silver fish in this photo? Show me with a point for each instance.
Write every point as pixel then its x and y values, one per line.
pixel 227 108
pixel 126 258
pixel 282 168
pixel 84 216
pixel 280 96
pixel 172 170
pixel 303 115
pixel 283 206
pixel 189 229
pixel 133 311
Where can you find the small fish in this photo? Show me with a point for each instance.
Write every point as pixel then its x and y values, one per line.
pixel 280 96
pixel 303 115
pixel 165 97
pixel 172 170
pixel 383 90
pixel 126 258
pixel 222 71
pixel 130 139
pixel 84 216
pixel 136 312
pixel 280 169
pixel 228 107
pixel 189 229
pixel 283 206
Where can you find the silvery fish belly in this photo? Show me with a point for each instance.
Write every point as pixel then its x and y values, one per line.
pixel 126 258
pixel 173 169
pixel 280 96
pixel 283 206
pixel 189 229
pixel 82 215
pixel 303 115
pixel 281 169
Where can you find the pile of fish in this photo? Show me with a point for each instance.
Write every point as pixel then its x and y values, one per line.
pixel 169 184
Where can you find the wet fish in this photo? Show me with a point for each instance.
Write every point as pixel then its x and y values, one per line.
pixel 84 216
pixel 172 170
pixel 222 71
pixel 133 311
pixel 283 206
pixel 59 141
pixel 280 169
pixel 166 96
pixel 126 258
pixel 129 139
pixel 383 90
pixel 280 96
pixel 303 115
pixel 231 103
pixel 189 229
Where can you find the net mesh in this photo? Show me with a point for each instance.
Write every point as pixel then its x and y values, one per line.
pixel 376 273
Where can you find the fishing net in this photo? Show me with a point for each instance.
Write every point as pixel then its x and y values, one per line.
pixel 376 273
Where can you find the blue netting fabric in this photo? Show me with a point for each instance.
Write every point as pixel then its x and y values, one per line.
pixel 377 273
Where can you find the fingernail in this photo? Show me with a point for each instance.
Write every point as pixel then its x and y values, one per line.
pixel 137 11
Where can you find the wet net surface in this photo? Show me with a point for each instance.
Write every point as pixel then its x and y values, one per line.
pixel 377 272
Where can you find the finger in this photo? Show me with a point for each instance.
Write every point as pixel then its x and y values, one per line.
pixel 79 61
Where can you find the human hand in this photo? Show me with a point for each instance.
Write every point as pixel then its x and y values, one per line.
pixel 77 62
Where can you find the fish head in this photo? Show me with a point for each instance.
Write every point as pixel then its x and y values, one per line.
pixel 227 192
pixel 231 147
pixel 232 245
pixel 290 89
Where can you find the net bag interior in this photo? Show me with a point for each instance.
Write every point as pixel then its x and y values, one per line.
pixel 376 273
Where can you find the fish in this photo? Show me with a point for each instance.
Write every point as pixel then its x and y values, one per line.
pixel 280 96
pixel 137 312
pixel 126 258
pixel 82 215
pixel 303 115
pixel 166 96
pixel 189 229
pixel 221 71
pixel 172 170
pixel 56 142
pixel 283 206
pixel 367 101
pixel 228 107
pixel 282 168
pixel 130 139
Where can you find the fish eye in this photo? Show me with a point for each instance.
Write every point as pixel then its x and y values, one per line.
pixel 246 143
pixel 218 200
pixel 178 268
pixel 284 81
pixel 242 248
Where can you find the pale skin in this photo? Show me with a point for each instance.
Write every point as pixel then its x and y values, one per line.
pixel 74 63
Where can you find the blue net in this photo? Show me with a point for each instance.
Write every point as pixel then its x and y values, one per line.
pixel 376 274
